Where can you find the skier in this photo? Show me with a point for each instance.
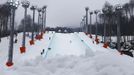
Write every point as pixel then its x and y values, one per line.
pixel 49 38
pixel 42 51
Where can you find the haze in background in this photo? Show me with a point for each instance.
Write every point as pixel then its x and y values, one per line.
pixel 65 12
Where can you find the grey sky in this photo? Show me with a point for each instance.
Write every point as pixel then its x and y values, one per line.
pixel 65 12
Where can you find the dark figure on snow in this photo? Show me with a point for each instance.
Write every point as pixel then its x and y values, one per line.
pixel 15 37
pixel 42 51
pixel 49 38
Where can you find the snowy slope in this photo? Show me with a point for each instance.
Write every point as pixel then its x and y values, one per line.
pixel 68 56
pixel 101 64
pixel 31 51
pixel 66 44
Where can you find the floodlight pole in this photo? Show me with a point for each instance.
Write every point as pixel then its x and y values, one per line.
pixel 39 17
pixel 86 9
pixel 13 6
pixel 25 5
pixel 91 13
pixel 118 9
pixel 33 28
pixel 96 33
pixel 104 10
pixel 43 17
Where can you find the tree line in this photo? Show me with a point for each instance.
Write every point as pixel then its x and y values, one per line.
pixel 109 17
pixel 5 19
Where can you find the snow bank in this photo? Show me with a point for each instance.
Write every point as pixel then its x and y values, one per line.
pixel 101 64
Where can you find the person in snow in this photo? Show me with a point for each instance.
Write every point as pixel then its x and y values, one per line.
pixel 42 51
pixel 49 38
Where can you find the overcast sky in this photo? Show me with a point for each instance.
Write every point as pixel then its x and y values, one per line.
pixel 65 12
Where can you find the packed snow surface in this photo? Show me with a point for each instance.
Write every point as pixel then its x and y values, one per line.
pixel 70 54
pixel 100 64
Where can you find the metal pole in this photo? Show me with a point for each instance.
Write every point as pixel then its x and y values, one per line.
pixel 81 26
pixel 86 19
pixel 25 4
pixel 90 23
pixel 84 23
pixel 42 21
pixel 24 29
pixel 33 25
pixel 118 33
pixel 45 19
pixel 38 22
pixel 10 53
pixel 96 37
pixel 118 9
pixel 96 26
pixel 104 29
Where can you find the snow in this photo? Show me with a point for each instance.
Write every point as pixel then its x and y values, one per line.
pixel 69 55
pixel 31 51
pixel 66 44
pixel 102 64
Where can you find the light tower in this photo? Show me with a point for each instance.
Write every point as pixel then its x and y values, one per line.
pixel 104 10
pixel 43 20
pixel 91 13
pixel 13 6
pixel 81 26
pixel 39 21
pixel 25 5
pixel 83 23
pixel 87 9
pixel 44 16
pixel 96 37
pixel 33 8
pixel 118 9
